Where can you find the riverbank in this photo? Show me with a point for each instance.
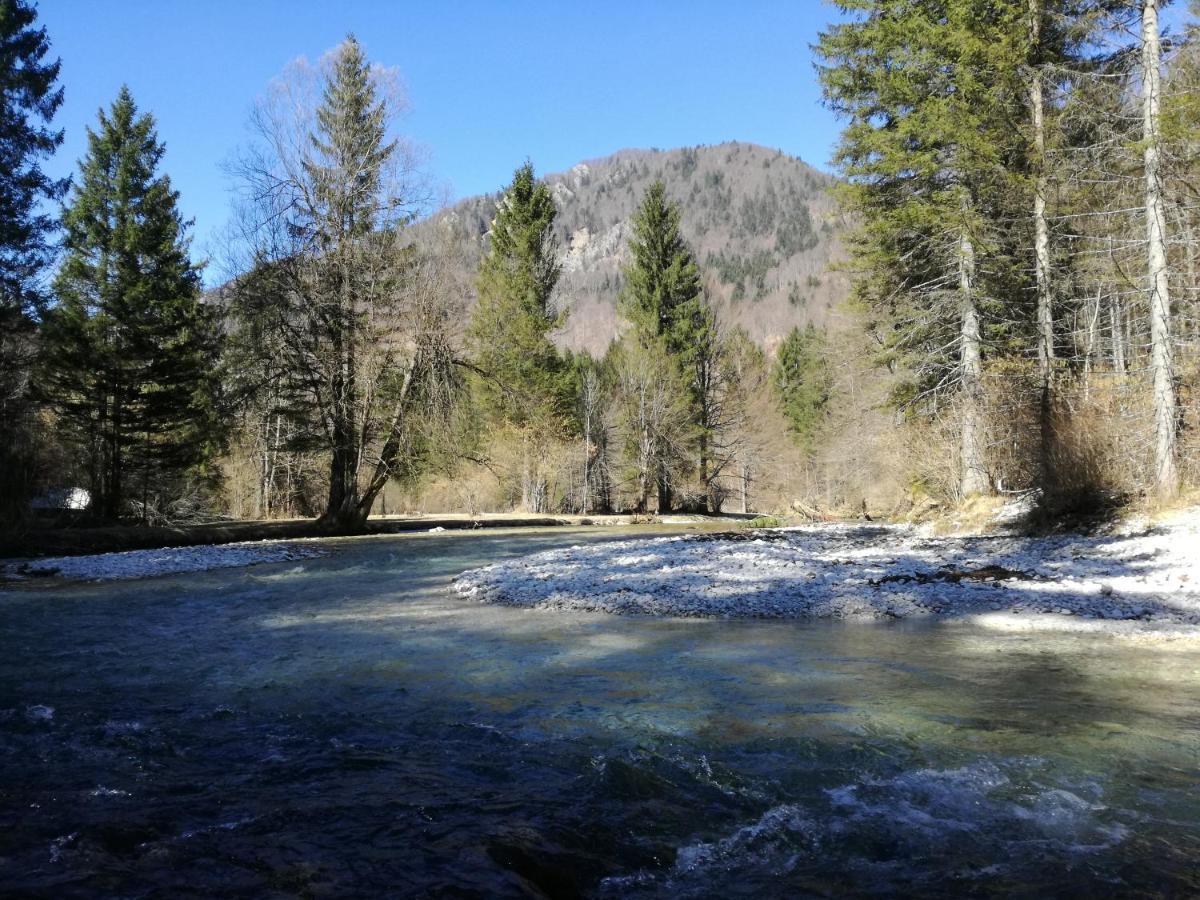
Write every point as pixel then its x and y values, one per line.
pixel 302 545
pixel 45 541
pixel 1137 579
pixel 161 561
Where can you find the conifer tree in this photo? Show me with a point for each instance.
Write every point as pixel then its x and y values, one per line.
pixel 129 348
pixel 353 317
pixel 29 98
pixel 662 281
pixel 927 150
pixel 802 383
pixel 664 304
pixel 525 383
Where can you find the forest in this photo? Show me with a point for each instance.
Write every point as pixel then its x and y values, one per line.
pixel 1016 226
pixel 698 521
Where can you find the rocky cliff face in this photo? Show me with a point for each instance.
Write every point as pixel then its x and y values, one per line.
pixel 763 225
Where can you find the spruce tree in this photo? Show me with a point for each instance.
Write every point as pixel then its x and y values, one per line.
pixel 29 98
pixel 665 306
pixel 525 385
pixel 129 348
pixel 930 94
pixel 802 383
pixel 345 172
pixel 662 296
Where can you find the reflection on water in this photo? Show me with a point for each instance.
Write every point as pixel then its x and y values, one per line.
pixel 347 725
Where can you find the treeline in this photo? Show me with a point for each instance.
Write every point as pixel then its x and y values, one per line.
pixel 339 361
pixel 1023 173
pixel 107 359
pixel 660 423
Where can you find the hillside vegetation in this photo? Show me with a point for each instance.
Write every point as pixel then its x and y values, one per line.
pixel 764 227
pixel 998 294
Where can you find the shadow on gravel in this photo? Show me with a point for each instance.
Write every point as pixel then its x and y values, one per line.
pixel 802 574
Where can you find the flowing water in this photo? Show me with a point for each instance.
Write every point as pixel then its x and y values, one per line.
pixel 348 726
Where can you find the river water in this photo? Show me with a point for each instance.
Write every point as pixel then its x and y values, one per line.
pixel 348 726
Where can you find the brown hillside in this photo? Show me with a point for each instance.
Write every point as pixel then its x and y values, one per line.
pixel 763 224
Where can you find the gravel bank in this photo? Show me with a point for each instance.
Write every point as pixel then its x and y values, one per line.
pixel 165 561
pixel 1145 577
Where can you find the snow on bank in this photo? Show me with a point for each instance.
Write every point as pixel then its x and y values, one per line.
pixel 166 561
pixel 864 572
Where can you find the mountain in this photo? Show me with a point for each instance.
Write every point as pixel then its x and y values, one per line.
pixel 763 225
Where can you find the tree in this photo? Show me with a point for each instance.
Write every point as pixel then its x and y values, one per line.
pixel 738 443
pixel 129 347
pixel 1166 407
pixel 357 316
pixel 654 418
pixel 594 390
pixel 802 384
pixel 663 303
pixel 525 383
pixel 29 99
pixel 927 150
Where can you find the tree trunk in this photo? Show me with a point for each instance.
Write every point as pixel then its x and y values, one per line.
pixel 1045 311
pixel 974 468
pixel 663 490
pixel 1041 245
pixel 1091 339
pixel 526 478
pixel 1166 476
pixel 1116 324
pixel 587 466
pixel 116 462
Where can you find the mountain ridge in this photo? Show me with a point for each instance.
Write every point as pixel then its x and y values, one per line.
pixel 764 227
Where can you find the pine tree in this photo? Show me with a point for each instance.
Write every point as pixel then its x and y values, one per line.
pixel 29 99
pixel 802 384
pixel 129 348
pixel 928 151
pixel 525 384
pixel 664 304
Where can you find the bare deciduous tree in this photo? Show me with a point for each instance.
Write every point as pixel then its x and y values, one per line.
pixel 356 317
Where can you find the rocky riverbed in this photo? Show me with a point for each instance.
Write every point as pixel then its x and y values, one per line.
pixel 1137 578
pixel 163 561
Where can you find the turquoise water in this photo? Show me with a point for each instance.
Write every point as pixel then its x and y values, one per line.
pixel 347 725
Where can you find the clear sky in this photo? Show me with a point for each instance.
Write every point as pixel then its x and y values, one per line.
pixel 490 83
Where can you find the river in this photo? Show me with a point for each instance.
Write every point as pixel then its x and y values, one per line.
pixel 346 725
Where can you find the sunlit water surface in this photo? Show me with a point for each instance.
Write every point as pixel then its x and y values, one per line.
pixel 349 726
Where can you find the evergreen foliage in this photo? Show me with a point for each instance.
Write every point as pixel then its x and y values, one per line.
pixel 353 320
pixel 802 384
pixel 662 296
pixel 526 382
pixel 523 384
pixel 29 99
pixel 129 348
pixel 930 92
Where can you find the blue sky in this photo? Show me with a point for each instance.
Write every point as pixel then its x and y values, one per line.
pixel 490 83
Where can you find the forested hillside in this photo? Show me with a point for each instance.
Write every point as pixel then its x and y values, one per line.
pixel 764 227
pixel 997 294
